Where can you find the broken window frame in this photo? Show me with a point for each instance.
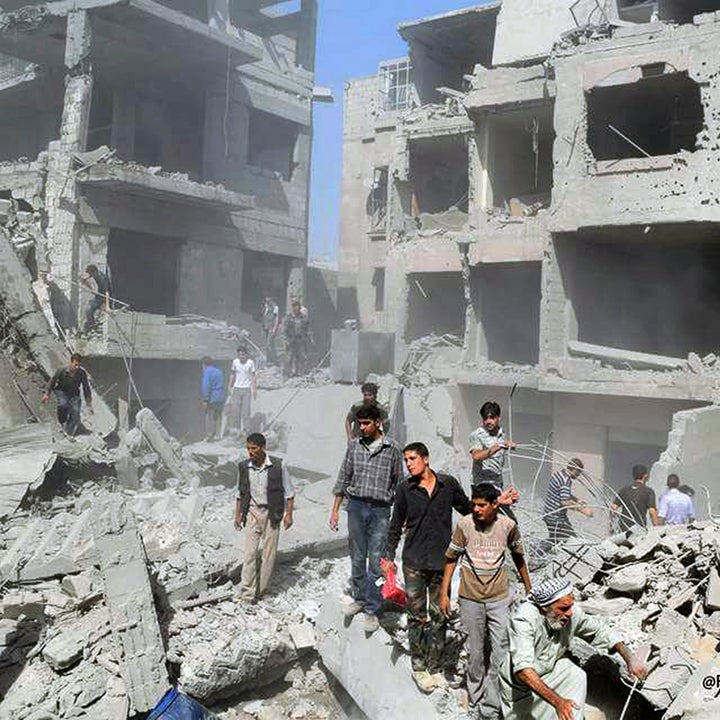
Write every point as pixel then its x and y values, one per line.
pixel 395 80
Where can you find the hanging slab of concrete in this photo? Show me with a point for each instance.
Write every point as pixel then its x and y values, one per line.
pixel 26 455
pixel 131 604
pixel 25 313
pixel 377 677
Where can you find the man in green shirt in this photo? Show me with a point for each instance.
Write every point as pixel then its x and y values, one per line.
pixel 537 680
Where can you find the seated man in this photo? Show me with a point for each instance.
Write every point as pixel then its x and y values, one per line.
pixel 537 681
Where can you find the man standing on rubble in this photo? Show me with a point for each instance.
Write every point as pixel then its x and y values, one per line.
pixel 423 510
pixel 297 337
pixel 368 476
pixel 488 448
pixel 65 383
pixel 270 326
pixel 676 508
pixel 537 681
pixel 560 498
pixel 636 502
pixel 213 398
pixel 243 389
pixel 264 500
pixel 480 542
pixel 100 294
pixel 369 392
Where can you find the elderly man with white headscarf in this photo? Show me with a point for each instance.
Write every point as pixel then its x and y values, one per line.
pixel 537 681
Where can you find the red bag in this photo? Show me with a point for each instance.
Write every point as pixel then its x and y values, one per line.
pixel 391 591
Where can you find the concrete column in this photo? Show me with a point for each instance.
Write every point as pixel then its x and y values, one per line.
pixel 558 323
pixel 62 189
pixel 123 122
pixel 305 53
pixel 296 282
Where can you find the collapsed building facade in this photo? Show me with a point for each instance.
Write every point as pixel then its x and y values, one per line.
pixel 529 199
pixel 169 144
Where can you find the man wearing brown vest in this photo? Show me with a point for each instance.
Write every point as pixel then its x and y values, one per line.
pixel 264 500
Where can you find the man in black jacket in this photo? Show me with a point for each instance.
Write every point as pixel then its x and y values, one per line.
pixel 423 505
pixel 264 500
pixel 65 383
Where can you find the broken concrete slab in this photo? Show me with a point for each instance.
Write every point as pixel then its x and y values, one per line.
pixel 130 601
pixel 169 449
pixel 576 560
pixel 607 606
pixel 369 668
pixel 631 579
pixel 712 593
pixel 26 455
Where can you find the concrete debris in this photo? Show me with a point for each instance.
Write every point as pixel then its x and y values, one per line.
pixel 135 628
pixel 169 450
pixel 654 589
pixel 26 455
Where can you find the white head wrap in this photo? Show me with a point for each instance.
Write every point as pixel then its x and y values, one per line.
pixel 546 593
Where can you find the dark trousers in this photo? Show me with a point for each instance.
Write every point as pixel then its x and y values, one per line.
pixel 213 418
pixel 426 624
pixel 367 529
pixel 93 306
pixel 559 529
pixel 296 358
pixel 68 412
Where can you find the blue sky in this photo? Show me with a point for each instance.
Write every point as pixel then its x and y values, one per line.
pixel 352 38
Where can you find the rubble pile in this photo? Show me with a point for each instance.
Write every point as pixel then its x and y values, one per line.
pixel 661 589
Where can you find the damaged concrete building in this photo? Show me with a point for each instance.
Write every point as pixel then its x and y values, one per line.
pixel 529 197
pixel 169 144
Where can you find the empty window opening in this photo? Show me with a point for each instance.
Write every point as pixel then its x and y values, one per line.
pixel 439 174
pixel 144 270
pixel 656 292
pixel 271 143
pixel 150 125
pixel 657 115
pixel 521 158
pixel 679 11
pixel 101 117
pixel 436 305
pixel 397 91
pixel 31 111
pixel 378 199
pixel 443 50
pixel 507 301
pixel 378 283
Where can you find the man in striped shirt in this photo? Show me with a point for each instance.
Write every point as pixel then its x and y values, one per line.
pixel 559 498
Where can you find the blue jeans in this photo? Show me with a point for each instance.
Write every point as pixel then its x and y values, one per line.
pixel 68 412
pixel 367 531
pixel 94 305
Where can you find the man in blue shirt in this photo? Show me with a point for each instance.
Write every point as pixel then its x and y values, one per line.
pixel 213 397
pixel 676 508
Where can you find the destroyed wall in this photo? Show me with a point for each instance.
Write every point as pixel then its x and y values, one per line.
pixel 172 135
pixel 528 30
pixel 692 453
pixel 650 178
pixel 368 140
